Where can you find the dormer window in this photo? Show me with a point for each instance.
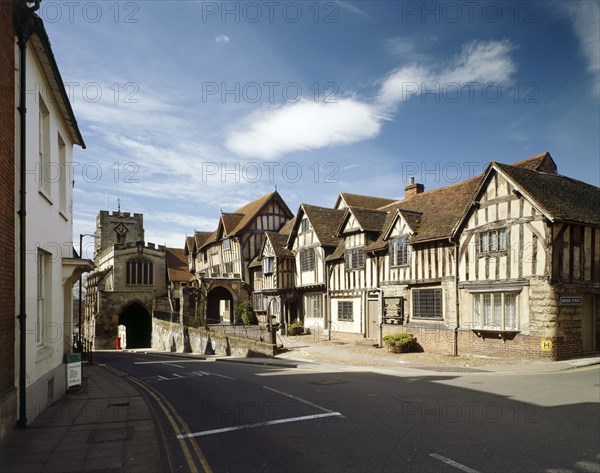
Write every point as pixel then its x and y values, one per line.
pixel 399 251
pixel 492 241
pixel 355 258
pixel 268 264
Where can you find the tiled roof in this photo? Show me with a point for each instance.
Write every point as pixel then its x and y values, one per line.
pixel 561 197
pixel 189 244
pixel 287 228
pixel 200 238
pixel 338 253
pixel 231 221
pixel 364 201
pixel 177 266
pixel 325 223
pixel 278 242
pixel 235 222
pixel 444 207
pixel 369 220
pixel 255 263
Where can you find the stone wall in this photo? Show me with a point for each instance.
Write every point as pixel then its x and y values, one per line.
pixel 167 336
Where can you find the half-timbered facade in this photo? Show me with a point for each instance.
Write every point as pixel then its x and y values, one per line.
pixel 353 274
pixel 530 263
pixel 221 262
pixel 312 239
pixel 273 279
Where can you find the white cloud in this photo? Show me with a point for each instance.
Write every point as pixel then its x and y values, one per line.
pixel 222 39
pixel 478 62
pixel 308 125
pixel 352 8
pixel 586 23
pixel 302 126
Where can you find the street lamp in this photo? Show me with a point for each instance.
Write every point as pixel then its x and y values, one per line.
pixel 81 235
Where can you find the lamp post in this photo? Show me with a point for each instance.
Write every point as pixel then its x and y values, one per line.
pixel 81 235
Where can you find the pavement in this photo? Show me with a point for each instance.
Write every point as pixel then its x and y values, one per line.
pixel 104 426
pixel 107 425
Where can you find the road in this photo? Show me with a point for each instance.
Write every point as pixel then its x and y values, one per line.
pixel 233 417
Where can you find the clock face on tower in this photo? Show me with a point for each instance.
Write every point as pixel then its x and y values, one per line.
pixel 121 231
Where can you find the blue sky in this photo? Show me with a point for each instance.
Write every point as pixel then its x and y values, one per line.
pixel 191 107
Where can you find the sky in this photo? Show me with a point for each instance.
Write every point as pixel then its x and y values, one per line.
pixel 191 108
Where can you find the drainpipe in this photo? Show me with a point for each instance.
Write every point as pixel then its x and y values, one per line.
pixel 22 37
pixel 327 299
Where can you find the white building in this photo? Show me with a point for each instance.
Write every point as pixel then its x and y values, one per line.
pixel 51 264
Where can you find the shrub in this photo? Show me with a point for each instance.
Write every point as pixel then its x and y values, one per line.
pixel 245 312
pixel 296 328
pixel 400 339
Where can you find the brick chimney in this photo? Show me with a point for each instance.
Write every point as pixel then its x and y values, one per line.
pixel 412 188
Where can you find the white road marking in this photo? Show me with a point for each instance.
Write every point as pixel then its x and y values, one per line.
pixel 166 362
pixel 258 424
pixel 175 366
pixel 312 404
pixel 222 376
pixel 452 463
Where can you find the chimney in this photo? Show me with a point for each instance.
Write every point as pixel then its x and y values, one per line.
pixel 412 188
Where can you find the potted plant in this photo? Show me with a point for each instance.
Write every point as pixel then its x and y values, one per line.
pixel 295 328
pixel 399 342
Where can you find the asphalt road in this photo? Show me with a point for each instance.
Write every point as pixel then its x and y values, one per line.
pixel 230 417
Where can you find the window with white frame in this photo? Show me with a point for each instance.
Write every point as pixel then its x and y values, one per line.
pixel 427 303
pixel 492 241
pixel 399 251
pixel 139 271
pixel 495 311
pixel 355 258
pixel 229 267
pixel 304 225
pixel 314 306
pixel 44 269
pixel 226 244
pixel 307 259
pixel 268 264
pixel 44 147
pixel 345 311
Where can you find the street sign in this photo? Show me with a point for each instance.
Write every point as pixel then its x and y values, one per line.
pixel 571 300
pixel 546 345
pixel 73 362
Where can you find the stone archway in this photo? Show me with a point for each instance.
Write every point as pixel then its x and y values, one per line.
pixel 138 326
pixel 220 306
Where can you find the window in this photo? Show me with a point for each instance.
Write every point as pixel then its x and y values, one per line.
pixel 492 241
pixel 268 264
pixel 44 148
pixel 314 306
pixel 215 270
pixel 355 259
pixel 226 244
pixel 259 302
pixel 399 251
pixel 139 271
pixel 307 259
pixel 229 267
pixel 427 303
pixel 345 311
pixel 43 291
pixel 304 225
pixel 495 311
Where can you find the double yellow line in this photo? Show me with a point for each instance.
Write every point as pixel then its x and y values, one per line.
pixel 179 426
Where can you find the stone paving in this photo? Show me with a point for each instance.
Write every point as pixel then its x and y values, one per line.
pixel 104 427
